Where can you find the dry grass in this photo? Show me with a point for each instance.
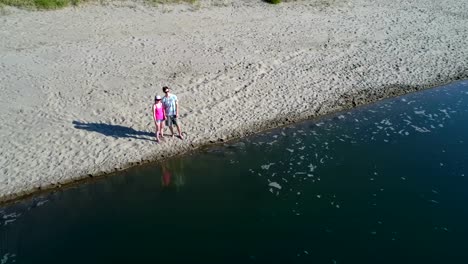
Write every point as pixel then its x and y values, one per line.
pixel 55 4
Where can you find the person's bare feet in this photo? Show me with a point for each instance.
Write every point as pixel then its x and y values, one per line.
pixel 181 137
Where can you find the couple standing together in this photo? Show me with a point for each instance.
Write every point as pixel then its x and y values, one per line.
pixel 166 109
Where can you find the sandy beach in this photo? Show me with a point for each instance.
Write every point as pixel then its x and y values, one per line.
pixel 78 84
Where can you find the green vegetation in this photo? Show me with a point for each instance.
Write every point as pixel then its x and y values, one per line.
pixel 172 1
pixel 273 1
pixel 39 4
pixel 55 4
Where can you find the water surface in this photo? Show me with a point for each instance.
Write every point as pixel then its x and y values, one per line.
pixel 384 183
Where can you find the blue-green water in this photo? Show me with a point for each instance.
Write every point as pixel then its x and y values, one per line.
pixel 385 183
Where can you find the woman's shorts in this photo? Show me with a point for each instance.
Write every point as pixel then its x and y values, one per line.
pixel 171 120
pixel 159 121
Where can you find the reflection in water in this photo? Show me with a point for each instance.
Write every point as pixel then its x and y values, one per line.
pixel 166 176
pixel 172 174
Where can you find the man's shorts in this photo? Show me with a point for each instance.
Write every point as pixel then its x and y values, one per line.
pixel 171 120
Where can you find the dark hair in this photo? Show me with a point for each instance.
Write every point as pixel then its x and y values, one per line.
pixel 165 88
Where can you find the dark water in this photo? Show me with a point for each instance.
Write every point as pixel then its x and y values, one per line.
pixel 385 183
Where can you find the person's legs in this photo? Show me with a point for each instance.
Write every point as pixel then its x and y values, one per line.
pixel 178 130
pixel 172 131
pixel 158 130
pixel 175 121
pixel 162 128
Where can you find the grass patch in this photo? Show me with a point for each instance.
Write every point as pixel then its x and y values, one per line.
pixel 39 4
pixel 275 2
pixel 56 4
pixel 173 1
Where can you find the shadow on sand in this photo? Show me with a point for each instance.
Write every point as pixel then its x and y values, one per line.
pixel 115 131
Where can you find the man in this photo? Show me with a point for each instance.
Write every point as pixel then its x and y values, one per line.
pixel 171 105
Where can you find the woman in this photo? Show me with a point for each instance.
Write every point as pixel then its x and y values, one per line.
pixel 159 115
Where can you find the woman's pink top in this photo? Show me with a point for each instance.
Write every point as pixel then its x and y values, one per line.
pixel 158 111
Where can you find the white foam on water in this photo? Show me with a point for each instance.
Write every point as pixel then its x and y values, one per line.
pixel 40 203
pixel 6 257
pixel 275 185
pixel 319 124
pixel 386 122
pixel 267 166
pixel 441 125
pixel 403 178
pixel 12 215
pixel 445 112
pixel 319 196
pixel 341 117
pixel 421 129
pixel 312 167
pixel 272 142
pixel 434 201
pixel 290 150
pixel 441 164
pixel 9 221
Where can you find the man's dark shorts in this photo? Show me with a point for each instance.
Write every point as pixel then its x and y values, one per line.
pixel 171 120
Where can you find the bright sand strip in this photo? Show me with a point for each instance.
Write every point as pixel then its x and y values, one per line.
pixel 77 84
